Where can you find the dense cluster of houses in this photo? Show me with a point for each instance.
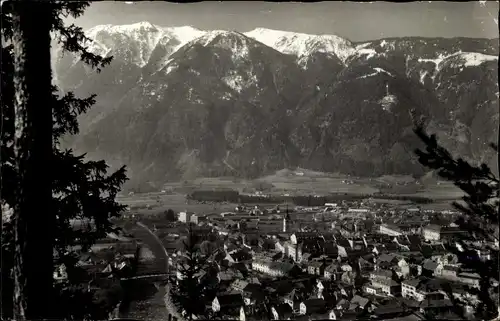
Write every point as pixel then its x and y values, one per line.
pixel 381 264
pixel 104 263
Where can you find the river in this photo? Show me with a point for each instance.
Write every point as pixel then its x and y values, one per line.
pixel 150 307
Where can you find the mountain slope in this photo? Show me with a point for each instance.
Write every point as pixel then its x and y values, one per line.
pixel 180 102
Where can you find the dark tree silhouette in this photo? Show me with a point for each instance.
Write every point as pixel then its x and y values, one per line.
pixel 480 208
pixel 170 215
pixel 189 292
pixel 76 189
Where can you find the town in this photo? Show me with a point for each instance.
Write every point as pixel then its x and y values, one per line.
pixel 350 260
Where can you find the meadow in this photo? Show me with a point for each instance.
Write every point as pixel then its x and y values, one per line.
pixel 299 182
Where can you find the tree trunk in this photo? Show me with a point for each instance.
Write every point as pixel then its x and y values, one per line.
pixel 33 218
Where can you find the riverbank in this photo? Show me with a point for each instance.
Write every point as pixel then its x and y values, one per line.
pixel 170 307
pixel 152 309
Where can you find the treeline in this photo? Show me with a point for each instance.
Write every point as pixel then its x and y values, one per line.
pixel 215 196
pixel 310 200
pixel 320 201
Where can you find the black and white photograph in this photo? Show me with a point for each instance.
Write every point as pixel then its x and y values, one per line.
pixel 249 160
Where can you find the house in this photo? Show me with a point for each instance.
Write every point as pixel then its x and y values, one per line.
pixel 358 211
pixel 432 232
pixel 276 269
pixel 370 289
pixel 290 298
pixel 253 293
pixel 60 274
pixel 239 285
pixel 343 247
pixel 386 261
pixel 348 278
pixel 411 317
pixel 330 272
pixel 394 262
pixel 402 267
pixel 282 312
pixel 365 266
pixel 316 307
pixel 198 218
pixel 293 251
pixel 229 304
pixel 268 244
pixel 390 230
pixel 319 287
pixel 421 289
pixel 356 244
pixel 312 246
pixel 433 251
pixel 346 267
pixel 436 307
pixel 452 233
pixel 471 279
pixel 298 237
pixel 359 303
pixel 383 282
pixel 448 271
pixel 342 304
pixel 429 268
pixel 330 249
pixel 315 268
pixel 185 216
pixel 306 257
pixel 251 238
pixel 388 310
pixel 221 302
pixel 461 292
pixel 414 242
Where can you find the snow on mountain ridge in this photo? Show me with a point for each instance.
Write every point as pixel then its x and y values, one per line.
pixel 185 33
pixel 137 41
pixel 458 60
pixel 302 44
pixel 140 39
pixel 472 59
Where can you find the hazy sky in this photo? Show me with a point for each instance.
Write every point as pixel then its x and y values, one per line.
pixel 355 21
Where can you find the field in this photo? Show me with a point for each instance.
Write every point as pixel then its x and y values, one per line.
pixel 158 203
pixel 290 182
pixel 308 182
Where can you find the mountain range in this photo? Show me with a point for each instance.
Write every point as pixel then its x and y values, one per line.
pixel 179 102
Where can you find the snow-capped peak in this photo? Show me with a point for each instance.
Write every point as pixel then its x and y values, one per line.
pixel 209 36
pixel 301 44
pixel 136 42
pixel 185 33
pixel 130 28
pixel 236 42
